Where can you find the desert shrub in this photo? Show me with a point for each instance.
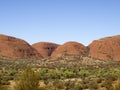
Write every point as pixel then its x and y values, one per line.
pixel 4 82
pixel 28 80
pixel 85 81
pixel 110 78
pixel 107 84
pixel 46 88
pixel 69 85
pixel 46 82
pixel 83 73
pixel 2 87
pixel 58 84
pixel 85 86
pixel 7 78
pixel 44 75
pixel 93 85
pixel 54 74
pixel 99 80
pixel 78 86
pixel 117 86
pixel 68 73
pixel 12 72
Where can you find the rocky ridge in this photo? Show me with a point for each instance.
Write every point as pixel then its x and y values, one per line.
pixel 107 48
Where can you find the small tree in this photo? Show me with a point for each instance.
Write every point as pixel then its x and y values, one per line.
pixel 28 80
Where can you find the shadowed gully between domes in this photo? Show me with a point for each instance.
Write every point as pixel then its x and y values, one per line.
pixel 45 48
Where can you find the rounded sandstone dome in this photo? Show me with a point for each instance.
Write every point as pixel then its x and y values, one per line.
pixel 45 48
pixel 70 48
pixel 106 48
pixel 14 47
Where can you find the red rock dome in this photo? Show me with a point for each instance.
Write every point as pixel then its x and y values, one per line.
pixel 106 48
pixel 14 47
pixel 45 48
pixel 70 48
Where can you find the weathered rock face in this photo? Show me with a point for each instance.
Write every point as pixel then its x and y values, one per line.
pixel 69 48
pixel 45 48
pixel 106 48
pixel 14 47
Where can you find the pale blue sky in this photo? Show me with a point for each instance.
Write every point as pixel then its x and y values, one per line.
pixel 60 21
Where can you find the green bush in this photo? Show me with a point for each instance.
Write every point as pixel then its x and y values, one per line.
pixel 28 80
pixel 68 74
pixel 83 73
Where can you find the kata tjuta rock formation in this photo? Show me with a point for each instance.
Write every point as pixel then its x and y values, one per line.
pixel 45 48
pixel 16 48
pixel 106 48
pixel 69 48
